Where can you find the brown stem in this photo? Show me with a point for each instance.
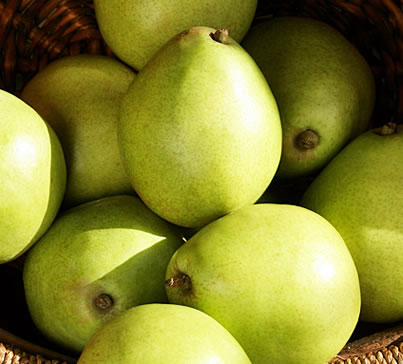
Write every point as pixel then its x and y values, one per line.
pixel 387 129
pixel 308 139
pixel 104 302
pixel 181 281
pixel 221 36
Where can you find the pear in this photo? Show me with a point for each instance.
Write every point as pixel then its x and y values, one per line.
pixel 278 277
pixel 96 260
pixel 199 129
pixel 323 86
pixel 360 193
pixel 80 96
pixel 162 333
pixel 135 30
pixel 33 176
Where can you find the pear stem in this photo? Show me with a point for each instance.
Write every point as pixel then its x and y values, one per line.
pixel 221 36
pixel 104 302
pixel 181 281
pixel 387 129
pixel 308 139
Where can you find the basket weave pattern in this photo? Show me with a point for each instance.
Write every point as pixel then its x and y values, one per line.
pixel 33 33
pixel 12 355
pixel 393 354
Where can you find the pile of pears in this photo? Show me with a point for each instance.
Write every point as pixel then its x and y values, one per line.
pixel 142 190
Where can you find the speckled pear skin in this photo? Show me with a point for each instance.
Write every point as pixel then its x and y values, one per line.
pixel 320 81
pixel 199 130
pixel 114 246
pixel 278 277
pixel 163 333
pixel 360 192
pixel 135 30
pixel 33 176
pixel 80 96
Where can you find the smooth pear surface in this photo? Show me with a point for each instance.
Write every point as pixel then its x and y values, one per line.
pixel 33 176
pixel 160 334
pixel 135 30
pixel 199 129
pixel 80 97
pixel 324 88
pixel 97 260
pixel 277 277
pixel 360 192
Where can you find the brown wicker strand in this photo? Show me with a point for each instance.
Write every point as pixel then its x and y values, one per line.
pixel 390 355
pixel 34 33
pixel 385 347
pixel 12 355
pixel 15 350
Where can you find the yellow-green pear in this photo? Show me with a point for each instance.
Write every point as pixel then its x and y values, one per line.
pixel 32 176
pixel 135 30
pixel 96 260
pixel 278 277
pixel 163 334
pixel 361 193
pixel 80 97
pixel 199 129
pixel 324 88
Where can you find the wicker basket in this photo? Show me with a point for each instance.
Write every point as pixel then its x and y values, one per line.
pixel 15 350
pixel 36 32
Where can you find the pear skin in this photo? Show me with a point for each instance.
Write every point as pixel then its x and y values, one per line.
pixel 97 260
pixel 276 276
pixel 135 30
pixel 33 176
pixel 79 96
pixel 324 88
pixel 199 129
pixel 360 192
pixel 163 333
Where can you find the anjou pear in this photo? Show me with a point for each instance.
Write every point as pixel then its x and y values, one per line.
pixel 324 88
pixel 96 260
pixel 32 176
pixel 163 334
pixel 80 96
pixel 135 30
pixel 199 129
pixel 278 277
pixel 361 193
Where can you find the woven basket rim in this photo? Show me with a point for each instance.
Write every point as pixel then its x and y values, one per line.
pixel 386 345
pixel 13 348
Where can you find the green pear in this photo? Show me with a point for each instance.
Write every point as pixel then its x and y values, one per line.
pixel 79 96
pixel 135 30
pixel 199 129
pixel 33 176
pixel 97 260
pixel 360 193
pixel 160 334
pixel 278 277
pixel 324 88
